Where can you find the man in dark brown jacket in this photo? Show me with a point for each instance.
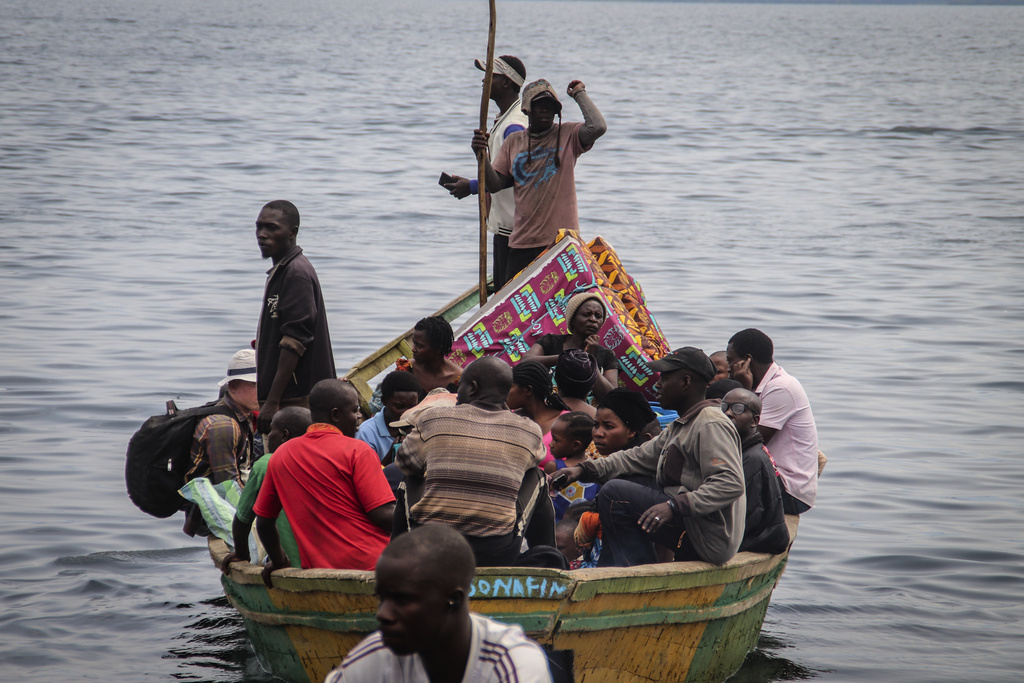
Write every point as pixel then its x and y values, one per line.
pixel 293 345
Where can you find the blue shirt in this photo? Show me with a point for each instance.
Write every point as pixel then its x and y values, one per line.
pixel 570 494
pixel 375 433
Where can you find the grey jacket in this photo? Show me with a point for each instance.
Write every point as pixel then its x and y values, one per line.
pixel 697 461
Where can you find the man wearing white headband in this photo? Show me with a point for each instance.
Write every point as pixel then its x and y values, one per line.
pixel 508 77
pixel 539 163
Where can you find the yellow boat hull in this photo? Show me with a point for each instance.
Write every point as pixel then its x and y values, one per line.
pixel 679 621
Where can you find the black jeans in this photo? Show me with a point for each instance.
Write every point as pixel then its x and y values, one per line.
pixel 519 259
pixel 495 551
pixel 620 504
pixel 792 506
pixel 500 248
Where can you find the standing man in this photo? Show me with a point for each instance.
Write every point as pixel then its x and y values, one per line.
pixel 787 424
pixel 698 509
pixel 506 81
pixel 426 631
pixel 330 485
pixel 293 346
pixel 539 163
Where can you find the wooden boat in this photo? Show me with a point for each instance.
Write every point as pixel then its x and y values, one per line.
pixel 678 621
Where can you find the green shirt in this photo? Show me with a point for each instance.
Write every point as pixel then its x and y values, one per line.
pixel 245 514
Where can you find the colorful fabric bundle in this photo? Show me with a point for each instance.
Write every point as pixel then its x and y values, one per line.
pixel 534 304
pixel 632 297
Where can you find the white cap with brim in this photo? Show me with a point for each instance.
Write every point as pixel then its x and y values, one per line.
pixel 242 366
pixel 501 67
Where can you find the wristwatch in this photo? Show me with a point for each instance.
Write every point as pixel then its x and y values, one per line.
pixel 675 508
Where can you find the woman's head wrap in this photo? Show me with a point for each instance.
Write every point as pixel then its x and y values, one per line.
pixel 577 301
pixel 631 407
pixel 575 373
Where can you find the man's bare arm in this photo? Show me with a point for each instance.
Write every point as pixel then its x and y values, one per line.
pixel 383 516
pixel 240 553
pixel 766 433
pixel 266 527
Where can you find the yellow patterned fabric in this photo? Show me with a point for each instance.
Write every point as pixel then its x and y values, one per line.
pixel 628 302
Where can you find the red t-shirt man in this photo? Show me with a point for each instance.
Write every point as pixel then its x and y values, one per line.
pixel 326 483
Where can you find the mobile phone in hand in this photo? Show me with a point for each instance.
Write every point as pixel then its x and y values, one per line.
pixel 445 179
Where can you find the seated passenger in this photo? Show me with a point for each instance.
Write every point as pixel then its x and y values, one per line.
pixel 533 396
pixel 427 632
pixel 766 530
pixel 787 423
pixel 570 437
pixel 287 424
pixel 575 374
pixel 720 387
pixel 222 444
pixel 432 340
pixel 621 419
pixel 400 391
pixel 565 539
pixel 331 486
pixel 473 457
pixel 588 536
pixel 697 508
pixel 585 313
pixel 721 366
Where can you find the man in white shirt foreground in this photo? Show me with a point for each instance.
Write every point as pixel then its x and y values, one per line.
pixel 427 633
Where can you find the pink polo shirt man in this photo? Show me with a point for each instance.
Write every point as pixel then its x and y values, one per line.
pixel 795 445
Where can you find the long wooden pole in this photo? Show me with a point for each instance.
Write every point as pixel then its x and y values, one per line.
pixel 485 98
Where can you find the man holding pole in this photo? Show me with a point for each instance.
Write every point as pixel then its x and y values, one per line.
pixel 539 163
pixel 506 81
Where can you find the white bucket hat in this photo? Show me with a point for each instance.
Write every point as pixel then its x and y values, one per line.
pixel 241 366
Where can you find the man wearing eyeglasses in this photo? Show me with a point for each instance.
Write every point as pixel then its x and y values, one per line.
pixel 765 529
pixel 786 423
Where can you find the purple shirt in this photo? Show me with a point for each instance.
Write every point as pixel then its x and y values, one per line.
pixel 784 407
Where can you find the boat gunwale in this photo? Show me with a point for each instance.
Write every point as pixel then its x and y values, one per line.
pixel 584 583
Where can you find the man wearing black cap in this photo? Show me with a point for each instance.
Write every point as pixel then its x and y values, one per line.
pixel 698 510
pixel 506 81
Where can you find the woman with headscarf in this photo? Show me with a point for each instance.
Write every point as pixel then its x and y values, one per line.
pixel 585 314
pixel 533 396
pixel 575 374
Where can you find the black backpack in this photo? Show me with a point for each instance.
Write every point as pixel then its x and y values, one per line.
pixel 159 456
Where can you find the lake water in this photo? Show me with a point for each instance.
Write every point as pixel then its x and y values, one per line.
pixel 848 178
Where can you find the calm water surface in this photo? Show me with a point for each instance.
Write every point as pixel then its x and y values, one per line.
pixel 847 178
